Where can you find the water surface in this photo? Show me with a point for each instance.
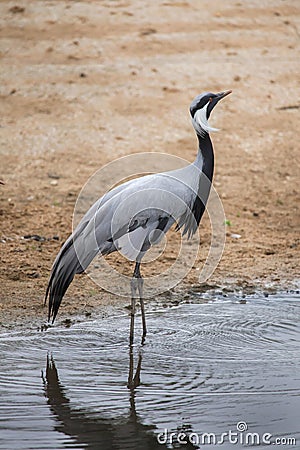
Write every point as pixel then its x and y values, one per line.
pixel 205 367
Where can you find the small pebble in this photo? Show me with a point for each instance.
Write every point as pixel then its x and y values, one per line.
pixel 53 175
pixel 16 9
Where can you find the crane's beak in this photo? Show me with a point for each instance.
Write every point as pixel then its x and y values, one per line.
pixel 221 95
pixel 215 100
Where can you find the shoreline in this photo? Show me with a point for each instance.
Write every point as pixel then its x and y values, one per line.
pixel 35 316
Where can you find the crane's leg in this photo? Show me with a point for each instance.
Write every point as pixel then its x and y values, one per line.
pixel 132 314
pixel 137 285
pixel 140 284
pixel 143 310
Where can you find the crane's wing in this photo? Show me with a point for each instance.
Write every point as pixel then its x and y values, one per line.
pixel 123 219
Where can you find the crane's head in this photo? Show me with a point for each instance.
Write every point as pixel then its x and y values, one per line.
pixel 200 110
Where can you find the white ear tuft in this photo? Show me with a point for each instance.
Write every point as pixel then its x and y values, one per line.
pixel 200 122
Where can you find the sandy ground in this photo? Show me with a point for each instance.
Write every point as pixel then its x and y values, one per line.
pixel 84 83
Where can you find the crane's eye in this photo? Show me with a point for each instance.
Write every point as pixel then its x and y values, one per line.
pixel 210 99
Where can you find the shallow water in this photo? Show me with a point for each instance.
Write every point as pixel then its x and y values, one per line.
pixel 205 368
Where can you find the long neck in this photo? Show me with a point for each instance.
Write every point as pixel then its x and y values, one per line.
pixel 205 157
pixel 205 163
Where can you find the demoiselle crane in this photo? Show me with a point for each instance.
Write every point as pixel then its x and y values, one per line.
pixel 136 214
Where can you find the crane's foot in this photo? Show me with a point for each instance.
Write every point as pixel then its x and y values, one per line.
pixel 134 380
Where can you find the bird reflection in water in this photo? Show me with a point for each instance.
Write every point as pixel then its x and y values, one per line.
pixel 101 432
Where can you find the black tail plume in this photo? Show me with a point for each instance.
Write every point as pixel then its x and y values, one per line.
pixel 63 271
pixel 65 266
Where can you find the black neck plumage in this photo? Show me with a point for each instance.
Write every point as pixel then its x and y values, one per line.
pixel 205 157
